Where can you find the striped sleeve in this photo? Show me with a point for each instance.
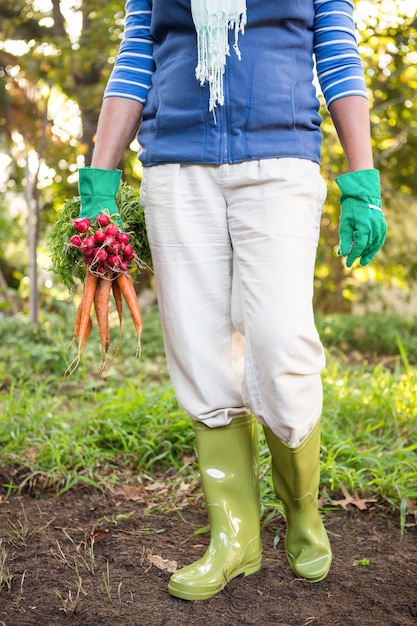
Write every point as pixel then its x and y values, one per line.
pixel 339 67
pixel 132 72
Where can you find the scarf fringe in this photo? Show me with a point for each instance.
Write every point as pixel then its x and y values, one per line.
pixel 213 48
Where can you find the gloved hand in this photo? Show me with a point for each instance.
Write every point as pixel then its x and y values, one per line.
pixel 362 224
pixel 98 189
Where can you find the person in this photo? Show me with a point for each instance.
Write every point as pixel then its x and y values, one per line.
pixel 230 141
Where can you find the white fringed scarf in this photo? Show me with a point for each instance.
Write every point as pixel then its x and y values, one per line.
pixel 213 19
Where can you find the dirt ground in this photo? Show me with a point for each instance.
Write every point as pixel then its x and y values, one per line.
pixel 89 559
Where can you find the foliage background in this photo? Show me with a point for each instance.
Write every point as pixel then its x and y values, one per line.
pixel 55 58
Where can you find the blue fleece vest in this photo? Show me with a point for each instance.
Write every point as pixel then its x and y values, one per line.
pixel 271 106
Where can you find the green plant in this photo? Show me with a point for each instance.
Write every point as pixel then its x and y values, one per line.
pixel 6 576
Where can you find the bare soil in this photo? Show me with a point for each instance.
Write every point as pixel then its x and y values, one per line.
pixel 91 559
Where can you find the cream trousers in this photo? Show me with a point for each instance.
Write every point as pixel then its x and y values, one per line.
pixel 234 249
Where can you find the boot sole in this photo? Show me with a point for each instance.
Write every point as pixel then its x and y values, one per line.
pixel 312 579
pixel 187 592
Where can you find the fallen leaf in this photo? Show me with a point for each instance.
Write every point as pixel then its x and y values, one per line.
pixel 129 493
pixel 163 564
pixel 411 507
pixel 411 510
pixel 3 500
pixel 185 487
pixel 356 500
pixel 156 487
pixel 97 534
pixel 186 460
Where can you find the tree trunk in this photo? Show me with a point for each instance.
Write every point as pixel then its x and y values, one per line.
pixel 4 291
pixel 32 245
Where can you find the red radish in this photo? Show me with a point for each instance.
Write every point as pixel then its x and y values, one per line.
pixel 76 241
pixel 103 219
pixel 128 249
pixel 111 230
pixel 100 236
pixel 128 252
pixel 114 260
pixel 115 247
pixel 123 238
pixel 82 224
pixel 106 249
pixel 89 242
pixel 101 255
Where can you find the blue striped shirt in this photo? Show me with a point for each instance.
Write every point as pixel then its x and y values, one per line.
pixel 339 68
pixel 132 73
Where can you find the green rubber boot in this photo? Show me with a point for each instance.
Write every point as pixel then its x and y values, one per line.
pixel 228 460
pixel 296 475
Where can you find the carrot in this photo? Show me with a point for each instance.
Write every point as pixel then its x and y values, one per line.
pixel 101 306
pixel 117 294
pixel 83 321
pixel 97 290
pixel 128 291
pixel 89 327
pixel 78 320
pixel 90 286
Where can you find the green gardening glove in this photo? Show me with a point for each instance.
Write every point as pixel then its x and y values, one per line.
pixel 98 189
pixel 362 224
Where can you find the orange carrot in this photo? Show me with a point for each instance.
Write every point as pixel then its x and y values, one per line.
pixel 90 286
pixel 97 290
pixel 89 327
pixel 101 306
pixel 118 300
pixel 128 291
pixel 83 321
pixel 78 320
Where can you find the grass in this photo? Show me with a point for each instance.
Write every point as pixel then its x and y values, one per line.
pixel 105 430
pixel 369 431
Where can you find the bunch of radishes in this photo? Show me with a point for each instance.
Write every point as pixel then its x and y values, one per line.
pixel 104 247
